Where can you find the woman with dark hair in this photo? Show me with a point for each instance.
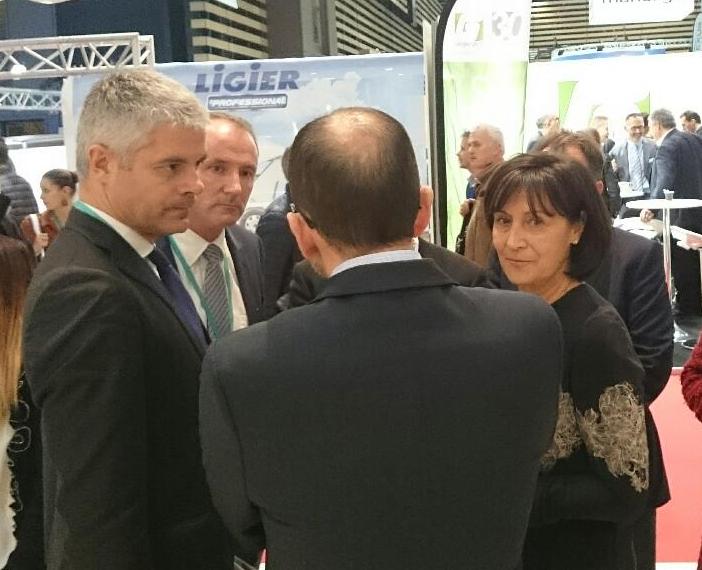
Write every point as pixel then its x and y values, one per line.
pixel 550 229
pixel 58 187
pixel 21 527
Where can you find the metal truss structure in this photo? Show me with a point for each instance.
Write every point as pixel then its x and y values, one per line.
pixel 12 99
pixel 74 55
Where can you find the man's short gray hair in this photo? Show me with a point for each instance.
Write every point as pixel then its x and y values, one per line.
pixel 125 106
pixel 493 132
pixel 543 120
pixel 663 117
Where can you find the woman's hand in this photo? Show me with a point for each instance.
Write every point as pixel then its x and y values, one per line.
pixel 40 242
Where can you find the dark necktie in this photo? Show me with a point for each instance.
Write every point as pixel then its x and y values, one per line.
pixel 181 299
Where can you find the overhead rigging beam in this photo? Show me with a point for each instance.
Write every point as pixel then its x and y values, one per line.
pixel 74 55
pixel 12 99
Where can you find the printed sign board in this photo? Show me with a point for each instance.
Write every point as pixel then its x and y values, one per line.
pixel 604 12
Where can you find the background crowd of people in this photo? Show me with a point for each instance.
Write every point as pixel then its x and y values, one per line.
pixel 186 392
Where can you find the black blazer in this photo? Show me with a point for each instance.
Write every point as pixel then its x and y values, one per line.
pixel 114 373
pixel 247 254
pixel 377 427
pixel 678 167
pixel 280 251
pixel 306 283
pixel 631 278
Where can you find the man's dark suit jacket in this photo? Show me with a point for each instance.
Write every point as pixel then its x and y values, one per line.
pixel 631 278
pixel 678 167
pixel 306 283
pixel 379 427
pixel 247 254
pixel 114 372
pixel 280 252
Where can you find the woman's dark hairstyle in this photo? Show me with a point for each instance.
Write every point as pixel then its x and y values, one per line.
pixel 63 177
pixel 16 267
pixel 555 185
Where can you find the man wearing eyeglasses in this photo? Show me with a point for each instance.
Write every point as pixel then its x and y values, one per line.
pixel 373 428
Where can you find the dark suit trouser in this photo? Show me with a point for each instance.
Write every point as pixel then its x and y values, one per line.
pixel 686 275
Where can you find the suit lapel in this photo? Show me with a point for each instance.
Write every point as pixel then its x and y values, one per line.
pixel 128 262
pixel 244 274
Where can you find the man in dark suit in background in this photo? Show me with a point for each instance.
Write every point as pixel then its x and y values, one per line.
pixel 219 262
pixel 113 345
pixel 355 432
pixel 280 252
pixel 678 167
pixel 306 283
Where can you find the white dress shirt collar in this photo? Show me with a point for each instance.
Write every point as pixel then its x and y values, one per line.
pixel 138 242
pixel 193 245
pixel 380 257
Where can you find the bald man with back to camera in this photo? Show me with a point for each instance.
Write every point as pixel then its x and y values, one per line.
pixel 373 428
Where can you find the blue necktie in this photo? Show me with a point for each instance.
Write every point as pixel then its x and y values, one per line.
pixel 181 299
pixel 636 171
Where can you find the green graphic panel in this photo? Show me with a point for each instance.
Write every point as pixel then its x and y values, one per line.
pixel 565 96
pixel 479 92
pixel 645 104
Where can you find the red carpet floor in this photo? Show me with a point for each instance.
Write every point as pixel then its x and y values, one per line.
pixel 680 521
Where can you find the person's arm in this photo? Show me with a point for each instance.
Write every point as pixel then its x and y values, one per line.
pixel 278 247
pixel 691 380
pixel 665 165
pixel 609 421
pixel 84 363
pixel 650 322
pixel 224 467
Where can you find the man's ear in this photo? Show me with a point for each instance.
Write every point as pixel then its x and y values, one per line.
pixel 426 200
pixel 304 235
pixel 599 185
pixel 100 160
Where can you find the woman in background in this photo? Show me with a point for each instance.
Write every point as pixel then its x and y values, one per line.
pixel 691 379
pixel 21 526
pixel 550 229
pixel 58 187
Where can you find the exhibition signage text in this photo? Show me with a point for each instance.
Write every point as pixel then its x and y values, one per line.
pixel 638 11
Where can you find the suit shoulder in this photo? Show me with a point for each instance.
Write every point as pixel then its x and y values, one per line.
pixel 631 245
pixel 244 237
pixel 509 306
pixel 459 268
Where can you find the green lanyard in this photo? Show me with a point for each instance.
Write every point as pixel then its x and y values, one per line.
pixel 211 326
pixel 88 210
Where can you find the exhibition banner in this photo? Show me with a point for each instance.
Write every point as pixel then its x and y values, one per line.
pixel 604 12
pixel 485 57
pixel 279 96
pixel 575 90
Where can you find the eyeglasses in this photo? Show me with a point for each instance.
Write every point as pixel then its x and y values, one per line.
pixel 305 217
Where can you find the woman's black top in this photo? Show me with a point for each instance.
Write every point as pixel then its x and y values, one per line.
pixel 595 477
